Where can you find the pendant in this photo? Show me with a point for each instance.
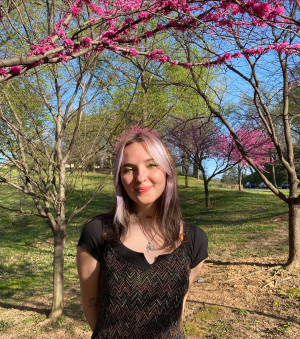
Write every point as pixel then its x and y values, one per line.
pixel 150 246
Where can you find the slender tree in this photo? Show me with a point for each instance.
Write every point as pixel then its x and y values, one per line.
pixel 39 140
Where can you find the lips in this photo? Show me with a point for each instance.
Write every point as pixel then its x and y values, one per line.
pixel 144 189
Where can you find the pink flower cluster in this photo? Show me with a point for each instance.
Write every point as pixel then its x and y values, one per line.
pixel 15 70
pixel 62 56
pixel 68 43
pixel 283 47
pixel 122 17
pixel 43 47
pixel 158 55
pixel 3 72
pixel 130 52
pixel 256 144
pixel 86 42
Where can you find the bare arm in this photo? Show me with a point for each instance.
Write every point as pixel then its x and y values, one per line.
pixel 193 274
pixel 89 273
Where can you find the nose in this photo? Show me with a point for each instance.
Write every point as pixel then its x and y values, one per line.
pixel 141 174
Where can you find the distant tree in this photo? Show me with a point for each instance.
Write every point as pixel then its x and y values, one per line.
pixel 196 139
pixel 255 143
pixel 230 177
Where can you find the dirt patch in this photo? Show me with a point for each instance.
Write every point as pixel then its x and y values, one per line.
pixel 247 296
pixel 245 299
pixel 236 296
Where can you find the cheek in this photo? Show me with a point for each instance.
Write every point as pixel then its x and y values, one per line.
pixel 160 178
pixel 126 180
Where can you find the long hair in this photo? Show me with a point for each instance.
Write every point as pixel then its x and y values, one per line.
pixel 168 209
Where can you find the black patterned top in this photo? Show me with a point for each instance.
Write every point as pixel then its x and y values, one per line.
pixel 138 299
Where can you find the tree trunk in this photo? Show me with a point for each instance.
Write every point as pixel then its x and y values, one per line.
pixel 240 176
pixel 186 179
pixel 207 196
pixel 185 169
pixel 195 171
pixel 294 235
pixel 58 274
pixel 274 175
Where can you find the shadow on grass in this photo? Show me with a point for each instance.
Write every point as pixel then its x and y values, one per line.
pixel 235 309
pixel 236 263
pixel 36 309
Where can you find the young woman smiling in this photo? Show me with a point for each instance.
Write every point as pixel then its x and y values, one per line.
pixel 137 263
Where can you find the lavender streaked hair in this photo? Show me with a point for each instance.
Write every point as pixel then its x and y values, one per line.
pixel 168 209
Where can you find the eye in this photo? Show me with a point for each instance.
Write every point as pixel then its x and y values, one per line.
pixel 153 165
pixel 127 169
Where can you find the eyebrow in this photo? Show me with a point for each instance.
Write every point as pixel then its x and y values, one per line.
pixel 129 164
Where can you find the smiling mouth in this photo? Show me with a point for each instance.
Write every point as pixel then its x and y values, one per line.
pixel 144 189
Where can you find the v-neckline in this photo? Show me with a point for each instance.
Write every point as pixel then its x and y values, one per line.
pixel 139 258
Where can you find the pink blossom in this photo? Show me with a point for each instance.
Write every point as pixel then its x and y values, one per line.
pixel 255 143
pixel 158 55
pixel 279 11
pixel 281 47
pixel 128 21
pixel 99 10
pixel 238 55
pixel 69 43
pixel 130 52
pixel 144 16
pixel 61 33
pixel 187 65
pixel 86 41
pixel 15 70
pixel 62 56
pixel 148 34
pixel 75 11
pixel 160 27
pixel 92 20
pixel 3 72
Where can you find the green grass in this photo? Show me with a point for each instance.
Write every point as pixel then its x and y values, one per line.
pixel 235 218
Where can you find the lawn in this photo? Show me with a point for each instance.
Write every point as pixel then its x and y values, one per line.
pixel 236 225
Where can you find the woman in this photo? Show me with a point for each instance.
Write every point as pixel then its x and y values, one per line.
pixel 137 263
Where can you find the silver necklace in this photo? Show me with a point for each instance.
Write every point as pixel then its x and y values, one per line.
pixel 150 245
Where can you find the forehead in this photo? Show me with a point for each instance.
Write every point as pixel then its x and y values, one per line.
pixel 136 152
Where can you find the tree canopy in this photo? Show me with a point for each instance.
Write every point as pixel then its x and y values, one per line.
pixel 86 27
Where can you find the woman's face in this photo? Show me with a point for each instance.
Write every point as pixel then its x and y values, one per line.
pixel 142 178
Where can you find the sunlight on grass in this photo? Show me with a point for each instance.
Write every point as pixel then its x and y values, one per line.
pixel 236 218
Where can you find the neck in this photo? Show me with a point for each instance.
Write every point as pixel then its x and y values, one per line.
pixel 145 212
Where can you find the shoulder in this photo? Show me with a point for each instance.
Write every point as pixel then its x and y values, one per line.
pixel 96 226
pixel 195 233
pixel 197 244
pixel 92 236
pixel 99 223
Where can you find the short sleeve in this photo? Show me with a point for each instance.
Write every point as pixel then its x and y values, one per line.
pixel 91 238
pixel 197 245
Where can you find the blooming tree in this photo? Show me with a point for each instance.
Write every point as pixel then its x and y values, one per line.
pixel 86 27
pixel 256 144
pixel 201 140
pixel 196 139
